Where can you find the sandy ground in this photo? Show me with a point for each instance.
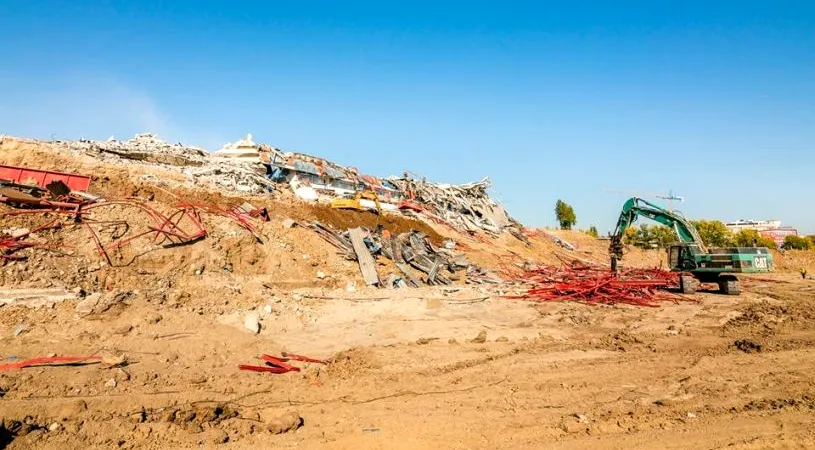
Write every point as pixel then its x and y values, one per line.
pixel 458 367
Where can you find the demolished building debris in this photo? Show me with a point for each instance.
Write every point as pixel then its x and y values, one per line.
pixel 466 206
pixel 250 168
pixel 410 252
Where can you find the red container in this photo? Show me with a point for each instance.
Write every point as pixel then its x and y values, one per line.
pixel 41 178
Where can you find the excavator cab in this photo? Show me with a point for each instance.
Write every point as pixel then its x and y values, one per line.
pixel 683 257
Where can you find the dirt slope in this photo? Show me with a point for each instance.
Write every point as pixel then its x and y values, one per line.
pixel 408 368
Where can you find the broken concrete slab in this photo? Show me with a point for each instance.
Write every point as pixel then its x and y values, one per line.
pixel 34 298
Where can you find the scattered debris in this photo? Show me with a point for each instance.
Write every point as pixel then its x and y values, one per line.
pixel 276 364
pixel 467 207
pixel 34 298
pixel 53 361
pixel 366 262
pixel 593 284
pixel 409 251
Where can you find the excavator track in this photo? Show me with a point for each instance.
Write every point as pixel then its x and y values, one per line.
pixel 729 285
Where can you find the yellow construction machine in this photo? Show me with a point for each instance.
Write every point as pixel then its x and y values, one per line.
pixel 355 202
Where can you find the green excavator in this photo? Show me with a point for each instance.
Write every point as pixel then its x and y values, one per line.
pixel 695 262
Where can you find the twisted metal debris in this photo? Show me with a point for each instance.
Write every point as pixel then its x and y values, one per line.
pixel 592 284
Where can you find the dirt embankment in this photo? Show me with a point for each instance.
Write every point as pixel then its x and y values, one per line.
pixel 171 323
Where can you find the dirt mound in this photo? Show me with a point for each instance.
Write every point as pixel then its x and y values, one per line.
pixel 346 219
pixel 352 362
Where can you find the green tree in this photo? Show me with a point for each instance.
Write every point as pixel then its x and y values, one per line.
pixel 713 233
pixel 648 236
pixel 565 215
pixel 593 232
pixel 748 238
pixel 797 243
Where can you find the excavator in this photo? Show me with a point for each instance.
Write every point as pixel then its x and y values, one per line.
pixel 695 262
pixel 354 202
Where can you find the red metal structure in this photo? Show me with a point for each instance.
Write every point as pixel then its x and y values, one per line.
pixel 41 178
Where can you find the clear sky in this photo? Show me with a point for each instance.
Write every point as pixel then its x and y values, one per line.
pixel 714 99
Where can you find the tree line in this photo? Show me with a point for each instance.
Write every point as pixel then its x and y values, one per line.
pixel 713 233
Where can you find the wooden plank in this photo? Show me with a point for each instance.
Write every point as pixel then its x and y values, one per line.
pixel 366 262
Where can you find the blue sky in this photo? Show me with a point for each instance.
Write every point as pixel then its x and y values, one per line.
pixel 715 100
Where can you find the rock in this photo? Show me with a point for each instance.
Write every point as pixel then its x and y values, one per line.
pixel 452 341
pixel 122 375
pixel 72 410
pixel 169 415
pixel 252 322
pixel 480 339
pixel 124 329
pixel 502 339
pixel 321 275
pixel 691 415
pixel 267 309
pixel 582 418
pixel 87 304
pixel 220 437
pixel 572 427
pixel 111 383
pixel 111 361
pixel 19 329
pixel 153 318
pixel 747 346
pixel 54 427
pixel 288 223
pixel 423 341
pixel 287 422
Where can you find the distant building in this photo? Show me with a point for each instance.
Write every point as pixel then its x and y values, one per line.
pixel 779 234
pixel 771 229
pixel 758 225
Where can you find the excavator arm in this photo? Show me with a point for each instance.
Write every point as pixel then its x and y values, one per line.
pixel 636 207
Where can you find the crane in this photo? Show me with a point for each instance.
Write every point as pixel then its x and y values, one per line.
pixel 695 262
pixel 670 197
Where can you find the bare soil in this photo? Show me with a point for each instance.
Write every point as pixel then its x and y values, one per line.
pixel 456 367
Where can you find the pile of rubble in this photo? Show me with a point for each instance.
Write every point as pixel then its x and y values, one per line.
pixel 466 206
pixel 200 167
pixel 411 252
pixel 143 147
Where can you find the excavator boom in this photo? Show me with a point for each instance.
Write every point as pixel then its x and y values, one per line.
pixel 690 256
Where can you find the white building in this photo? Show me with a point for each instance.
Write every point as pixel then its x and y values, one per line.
pixel 758 225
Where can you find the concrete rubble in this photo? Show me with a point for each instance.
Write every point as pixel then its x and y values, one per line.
pixel 198 165
pixel 466 206
pixel 249 168
pixel 417 260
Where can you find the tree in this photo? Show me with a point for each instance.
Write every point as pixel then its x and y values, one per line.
pixel 564 214
pixel 797 243
pixel 647 236
pixel 593 232
pixel 748 238
pixel 713 233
